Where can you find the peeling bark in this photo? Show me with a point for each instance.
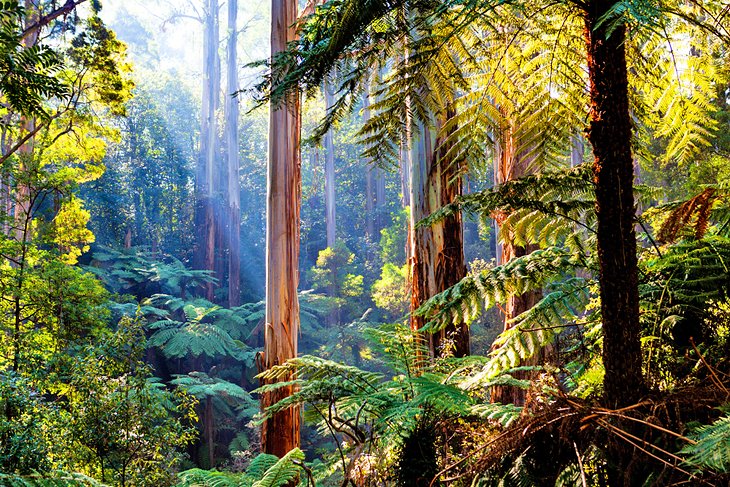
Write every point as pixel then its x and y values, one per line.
pixel 509 165
pixel 280 433
pixel 437 252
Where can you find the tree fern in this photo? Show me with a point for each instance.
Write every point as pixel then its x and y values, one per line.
pixel 59 479
pixel 712 447
pixel 263 471
pixel 283 471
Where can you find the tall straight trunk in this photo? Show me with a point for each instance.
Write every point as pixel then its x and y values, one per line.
pixel 510 164
pixel 329 169
pixel 280 433
pixel 379 199
pixel 369 174
pixel 205 226
pixel 233 186
pixel 609 133
pixel 437 252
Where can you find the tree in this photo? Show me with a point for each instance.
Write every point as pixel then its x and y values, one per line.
pixel 610 135
pixel 205 178
pixel 329 169
pixel 233 187
pixel 280 432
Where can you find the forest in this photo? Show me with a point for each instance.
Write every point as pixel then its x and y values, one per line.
pixel 364 243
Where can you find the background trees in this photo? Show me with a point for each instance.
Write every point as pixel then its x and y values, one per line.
pixel 472 114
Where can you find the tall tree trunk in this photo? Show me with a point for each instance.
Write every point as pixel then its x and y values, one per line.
pixel 280 433
pixel 233 186
pixel 437 253
pixel 610 135
pixel 509 165
pixel 205 226
pixel 369 179
pixel 329 168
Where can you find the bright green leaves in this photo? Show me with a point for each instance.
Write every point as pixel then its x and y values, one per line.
pixel 70 232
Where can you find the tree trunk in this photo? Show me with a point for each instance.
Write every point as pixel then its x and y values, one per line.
pixel 233 187
pixel 209 431
pixel 369 179
pixel 280 433
pixel 329 169
pixel 205 226
pixel 437 253
pixel 509 165
pixel 610 135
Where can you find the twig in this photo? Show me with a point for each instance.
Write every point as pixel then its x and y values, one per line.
pixel 625 436
pixel 716 380
pixel 580 465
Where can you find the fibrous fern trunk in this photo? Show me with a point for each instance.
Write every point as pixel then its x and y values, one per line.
pixel 280 433
pixel 610 135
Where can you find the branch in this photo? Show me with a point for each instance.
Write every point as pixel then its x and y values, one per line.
pixel 67 8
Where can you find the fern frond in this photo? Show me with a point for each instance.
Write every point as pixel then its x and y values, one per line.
pixel 283 471
pixel 712 450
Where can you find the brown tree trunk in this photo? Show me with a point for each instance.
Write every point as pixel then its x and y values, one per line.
pixel 437 252
pixel 509 165
pixel 280 433
pixel 610 135
pixel 233 186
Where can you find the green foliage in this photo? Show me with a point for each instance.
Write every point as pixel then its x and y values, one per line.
pixel 334 271
pixel 372 410
pixel 389 292
pixel 28 75
pixel 142 273
pixel 263 471
pixel 23 446
pixel 194 336
pixel 125 426
pixel 60 479
pixel 712 447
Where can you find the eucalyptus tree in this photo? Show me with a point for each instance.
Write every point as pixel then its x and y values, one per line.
pixel 233 184
pixel 205 178
pixel 280 432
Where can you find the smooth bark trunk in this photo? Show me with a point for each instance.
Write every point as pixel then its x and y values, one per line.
pixel 205 226
pixel 329 170
pixel 233 186
pixel 280 433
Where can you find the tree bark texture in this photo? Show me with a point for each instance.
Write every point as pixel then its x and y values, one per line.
pixel 437 253
pixel 280 433
pixel 510 164
pixel 609 133
pixel 233 187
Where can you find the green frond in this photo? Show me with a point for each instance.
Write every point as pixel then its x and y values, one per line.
pixel 712 450
pixel 283 471
pixel 463 302
pixel 59 479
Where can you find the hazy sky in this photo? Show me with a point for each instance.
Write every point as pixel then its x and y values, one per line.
pixel 164 34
